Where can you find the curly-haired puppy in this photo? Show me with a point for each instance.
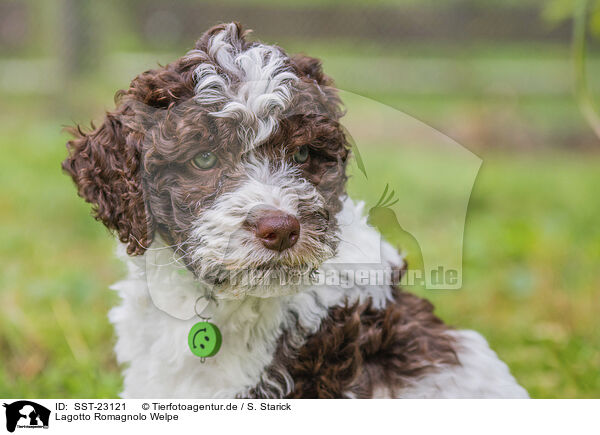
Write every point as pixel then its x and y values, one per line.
pixel 223 174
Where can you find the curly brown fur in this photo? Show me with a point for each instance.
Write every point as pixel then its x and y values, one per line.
pixel 105 165
pixel 135 168
pixel 358 349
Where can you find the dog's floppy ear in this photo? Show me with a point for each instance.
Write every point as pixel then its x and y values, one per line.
pixel 105 166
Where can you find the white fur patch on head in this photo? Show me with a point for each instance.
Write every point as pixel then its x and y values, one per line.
pixel 254 85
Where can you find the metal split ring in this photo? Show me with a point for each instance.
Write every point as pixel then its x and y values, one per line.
pixel 209 299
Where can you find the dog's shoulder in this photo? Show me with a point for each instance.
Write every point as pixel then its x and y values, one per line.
pixel 479 374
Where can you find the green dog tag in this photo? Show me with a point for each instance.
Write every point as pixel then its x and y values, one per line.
pixel 204 339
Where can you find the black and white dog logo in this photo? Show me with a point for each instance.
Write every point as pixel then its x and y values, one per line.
pixel 26 414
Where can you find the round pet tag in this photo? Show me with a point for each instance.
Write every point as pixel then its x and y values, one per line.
pixel 204 339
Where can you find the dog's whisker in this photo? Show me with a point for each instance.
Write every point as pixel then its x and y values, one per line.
pixel 355 245
pixel 155 248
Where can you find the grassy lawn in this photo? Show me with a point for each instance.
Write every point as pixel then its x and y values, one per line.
pixel 532 249
pixel 531 246
pixel 531 282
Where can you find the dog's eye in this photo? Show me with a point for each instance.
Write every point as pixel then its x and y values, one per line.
pixel 301 155
pixel 205 160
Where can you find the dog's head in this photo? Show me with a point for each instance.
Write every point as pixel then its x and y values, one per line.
pixel 233 154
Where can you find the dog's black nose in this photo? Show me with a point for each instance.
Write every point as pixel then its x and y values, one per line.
pixel 277 230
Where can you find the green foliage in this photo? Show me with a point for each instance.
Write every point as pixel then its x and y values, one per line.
pixel 584 97
pixel 558 11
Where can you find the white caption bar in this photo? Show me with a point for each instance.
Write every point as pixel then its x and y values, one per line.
pixel 308 417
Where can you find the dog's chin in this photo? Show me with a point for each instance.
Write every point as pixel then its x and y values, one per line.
pixel 262 280
pixel 259 272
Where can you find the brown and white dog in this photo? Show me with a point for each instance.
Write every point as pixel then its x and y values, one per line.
pixel 223 174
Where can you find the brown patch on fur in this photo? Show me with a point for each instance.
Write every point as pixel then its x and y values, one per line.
pixel 328 152
pixel 105 166
pixel 359 348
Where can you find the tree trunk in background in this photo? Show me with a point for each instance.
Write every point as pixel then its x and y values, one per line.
pixel 78 47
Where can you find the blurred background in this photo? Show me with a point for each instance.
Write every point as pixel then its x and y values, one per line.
pixel 496 76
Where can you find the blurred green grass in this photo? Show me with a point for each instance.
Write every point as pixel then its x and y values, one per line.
pixel 531 255
pixel 532 241
pixel 532 249
pixel 54 338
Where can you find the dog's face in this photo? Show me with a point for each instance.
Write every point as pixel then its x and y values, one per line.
pixel 233 154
